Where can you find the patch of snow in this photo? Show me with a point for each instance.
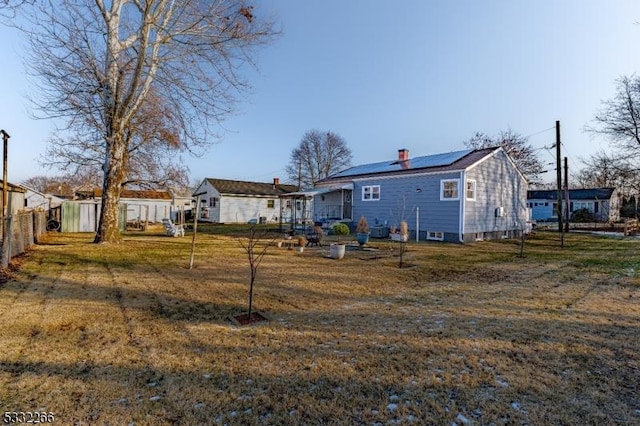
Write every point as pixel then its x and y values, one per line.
pixel 198 405
pixel 516 406
pixel 502 382
pixel 394 398
pixel 462 419
pixel 155 398
pixel 392 407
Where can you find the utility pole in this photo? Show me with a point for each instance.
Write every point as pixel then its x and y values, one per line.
pixel 5 255
pixel 566 195
pixel 5 146
pixel 559 183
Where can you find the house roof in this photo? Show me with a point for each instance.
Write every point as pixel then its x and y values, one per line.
pixel 238 187
pixel 450 161
pixel 140 194
pixel 574 194
pixel 13 188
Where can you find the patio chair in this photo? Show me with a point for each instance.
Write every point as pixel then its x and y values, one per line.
pixel 172 229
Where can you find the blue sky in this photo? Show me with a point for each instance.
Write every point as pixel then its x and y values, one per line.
pixel 422 75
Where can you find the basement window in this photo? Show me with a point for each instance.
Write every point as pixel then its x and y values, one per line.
pixel 435 235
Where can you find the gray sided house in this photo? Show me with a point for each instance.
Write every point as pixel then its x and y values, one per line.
pixel 460 196
pixel 603 203
pixel 233 201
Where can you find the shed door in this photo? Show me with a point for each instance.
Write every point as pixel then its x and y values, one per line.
pixel 347 204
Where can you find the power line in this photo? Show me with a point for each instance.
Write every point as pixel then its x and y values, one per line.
pixel 541 131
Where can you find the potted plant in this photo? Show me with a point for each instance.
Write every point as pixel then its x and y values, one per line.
pixel 362 231
pixel 336 250
pixel 302 242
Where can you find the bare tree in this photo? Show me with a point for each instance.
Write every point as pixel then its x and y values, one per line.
pixel 101 63
pixel 514 144
pixel 619 119
pixel 153 150
pixel 603 170
pixel 256 248
pixel 66 184
pixel 319 155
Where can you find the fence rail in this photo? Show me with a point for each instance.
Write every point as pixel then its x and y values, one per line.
pixel 23 230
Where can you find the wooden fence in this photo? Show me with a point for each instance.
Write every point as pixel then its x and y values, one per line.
pixel 23 230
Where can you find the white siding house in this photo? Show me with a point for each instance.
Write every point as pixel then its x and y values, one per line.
pixel 232 201
pixel 16 196
pixel 142 205
pixel 36 200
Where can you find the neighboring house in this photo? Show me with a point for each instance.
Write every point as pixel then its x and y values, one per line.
pixel 37 200
pixel 604 203
pixel 16 196
pixel 142 205
pixel 233 201
pixel 182 203
pixel 460 196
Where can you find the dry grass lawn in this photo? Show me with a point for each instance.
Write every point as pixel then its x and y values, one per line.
pixel 127 334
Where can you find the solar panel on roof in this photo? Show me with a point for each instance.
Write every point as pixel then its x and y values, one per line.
pixel 437 160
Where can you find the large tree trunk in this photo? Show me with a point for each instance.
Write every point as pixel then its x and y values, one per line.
pixel 115 173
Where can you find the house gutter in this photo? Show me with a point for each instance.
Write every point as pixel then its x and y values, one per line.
pixel 463 196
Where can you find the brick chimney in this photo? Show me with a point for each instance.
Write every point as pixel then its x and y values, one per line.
pixel 276 182
pixel 403 154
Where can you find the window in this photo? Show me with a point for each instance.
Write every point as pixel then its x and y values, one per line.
pixel 479 236
pixel 271 204
pixel 213 202
pixel 471 190
pixel 371 193
pixel 449 189
pixel 578 205
pixel 435 235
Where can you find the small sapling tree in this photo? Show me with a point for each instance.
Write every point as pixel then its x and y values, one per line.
pixel 255 247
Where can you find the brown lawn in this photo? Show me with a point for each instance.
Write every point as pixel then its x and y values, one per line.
pixel 127 334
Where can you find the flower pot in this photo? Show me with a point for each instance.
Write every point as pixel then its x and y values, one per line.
pixel 362 238
pixel 336 250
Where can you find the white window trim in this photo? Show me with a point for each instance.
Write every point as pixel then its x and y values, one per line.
pixel 433 235
pixel 474 189
pixel 442 183
pixel 371 187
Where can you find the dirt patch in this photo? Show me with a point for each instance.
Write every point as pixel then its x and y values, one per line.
pixel 244 319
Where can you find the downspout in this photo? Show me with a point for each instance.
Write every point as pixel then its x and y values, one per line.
pixel 463 196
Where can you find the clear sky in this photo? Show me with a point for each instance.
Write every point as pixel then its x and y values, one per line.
pixel 421 74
